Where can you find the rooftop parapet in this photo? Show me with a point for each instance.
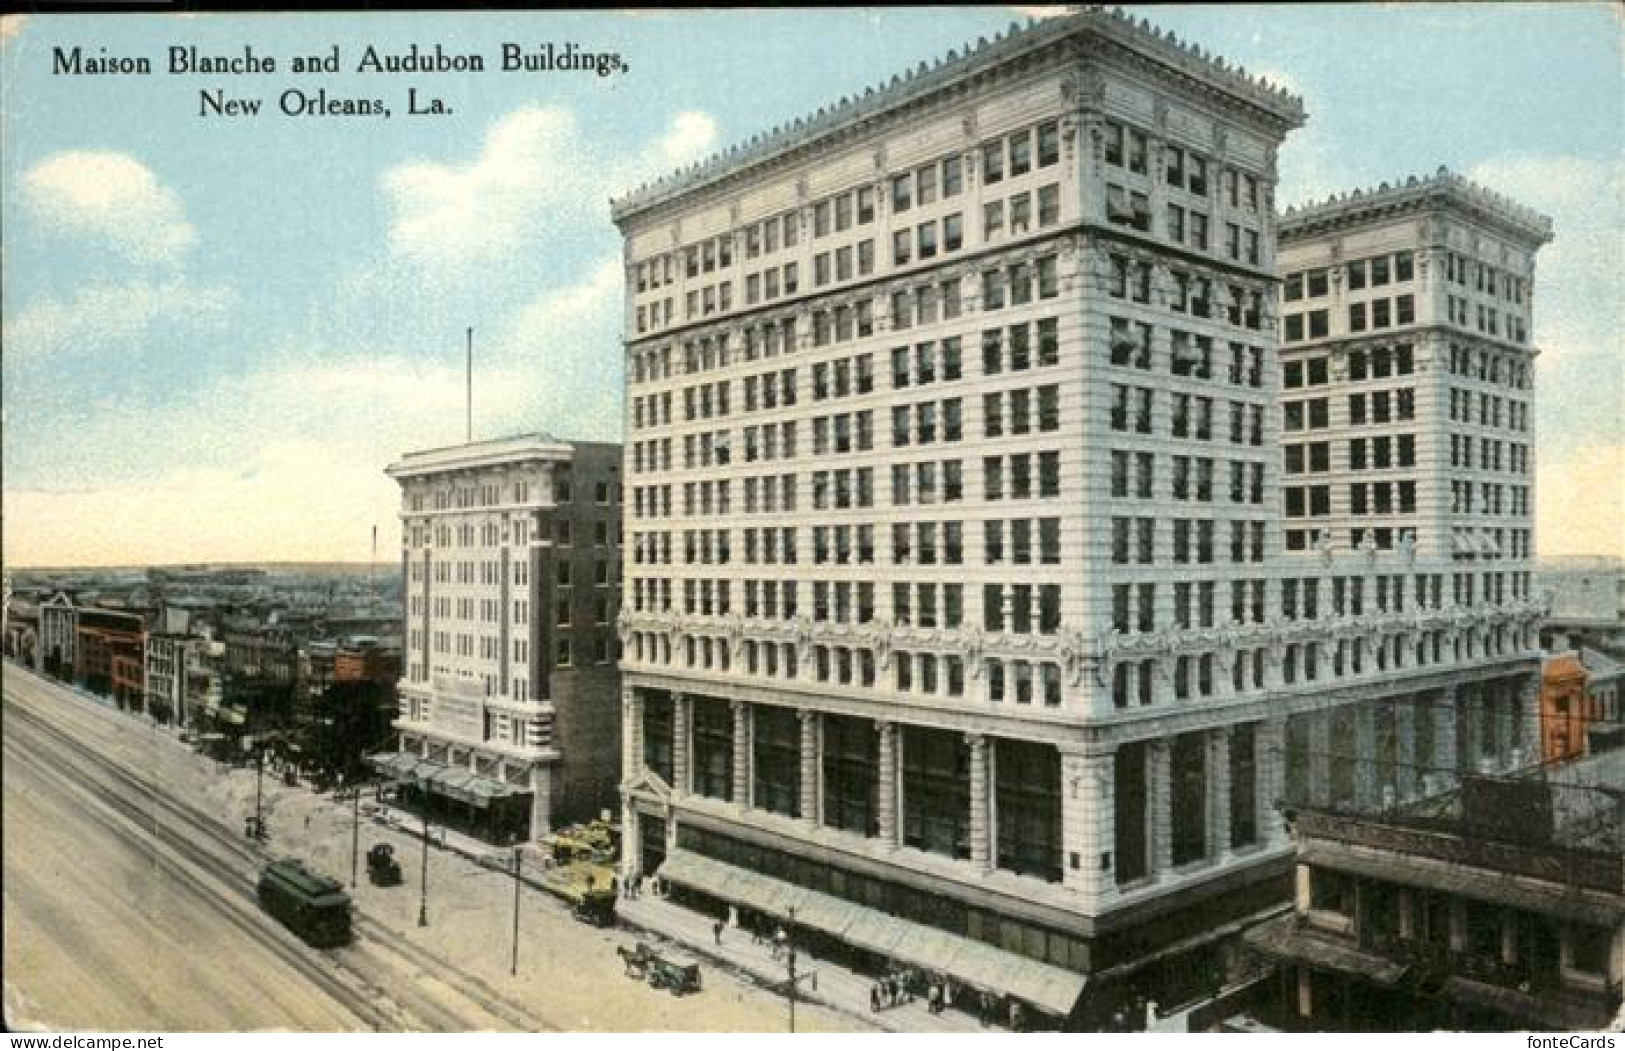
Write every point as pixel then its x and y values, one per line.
pixel 480 454
pixel 1442 188
pixel 1113 25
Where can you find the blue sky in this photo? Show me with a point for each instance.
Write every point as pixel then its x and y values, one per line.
pixel 217 332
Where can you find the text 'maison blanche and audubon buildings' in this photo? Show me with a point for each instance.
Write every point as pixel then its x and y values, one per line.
pixel 509 709
pixel 960 610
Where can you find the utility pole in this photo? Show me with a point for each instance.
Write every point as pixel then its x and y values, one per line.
pixel 259 791
pixel 423 901
pixel 355 836
pixel 513 968
pixel 793 982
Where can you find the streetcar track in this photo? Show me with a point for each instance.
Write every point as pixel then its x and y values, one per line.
pixel 380 942
pixel 105 812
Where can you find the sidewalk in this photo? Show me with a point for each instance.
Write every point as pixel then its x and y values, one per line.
pixel 837 987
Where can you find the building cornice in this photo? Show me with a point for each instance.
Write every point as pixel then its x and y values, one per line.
pixel 496 452
pixel 1105 30
pixel 1444 189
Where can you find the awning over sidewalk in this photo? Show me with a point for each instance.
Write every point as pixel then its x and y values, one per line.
pixel 1051 989
pixel 450 781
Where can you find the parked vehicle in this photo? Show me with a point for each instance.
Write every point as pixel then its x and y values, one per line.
pixel 596 907
pixel 676 974
pixel 382 868
pixel 311 905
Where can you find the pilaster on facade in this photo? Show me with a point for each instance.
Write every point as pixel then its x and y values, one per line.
pixel 1088 823
pixel 1528 716
pixel 631 733
pixel 1271 789
pixel 1160 797
pixel 1318 761
pixel 1446 762
pixel 741 754
pixel 811 779
pixel 1407 773
pixel 682 743
pixel 1219 792
pixel 1367 793
pixel 886 794
pixel 981 854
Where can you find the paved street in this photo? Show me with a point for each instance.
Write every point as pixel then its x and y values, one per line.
pixel 110 927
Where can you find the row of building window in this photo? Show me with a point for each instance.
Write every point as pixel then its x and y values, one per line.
pixel 1398 267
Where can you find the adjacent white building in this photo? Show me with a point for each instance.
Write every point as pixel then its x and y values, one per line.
pixel 508 706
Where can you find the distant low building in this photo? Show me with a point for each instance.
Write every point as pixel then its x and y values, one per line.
pixel 1566 709
pixel 111 655
pixel 1605 673
pixel 59 637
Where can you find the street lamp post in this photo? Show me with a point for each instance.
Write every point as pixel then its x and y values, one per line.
pixel 355 837
pixel 792 983
pixel 513 968
pixel 259 790
pixel 423 901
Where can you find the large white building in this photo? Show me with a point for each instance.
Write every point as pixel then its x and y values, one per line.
pixel 509 713
pixel 957 615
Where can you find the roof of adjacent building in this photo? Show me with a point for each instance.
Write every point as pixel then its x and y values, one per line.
pixel 492 451
pixel 1442 189
pixel 1018 40
pixel 1599 665
pixel 1562 667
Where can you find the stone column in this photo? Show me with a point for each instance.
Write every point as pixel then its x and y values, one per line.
pixel 1270 760
pixel 1218 795
pixel 981 854
pixel 541 802
pixel 886 798
pixel 631 733
pixel 682 712
pixel 1406 775
pixel 1366 790
pixel 1159 799
pixel 809 765
pixel 1469 713
pixel 741 755
pixel 1444 762
pixel 1528 717
pixel 1318 786
pixel 1507 734
pixel 1089 822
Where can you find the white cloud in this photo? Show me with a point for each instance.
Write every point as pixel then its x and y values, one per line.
pixel 1041 11
pixel 107 319
pixel 531 160
pixel 536 173
pixel 112 198
pixel 286 463
pixel 1580 503
pixel 692 135
pixel 1577 303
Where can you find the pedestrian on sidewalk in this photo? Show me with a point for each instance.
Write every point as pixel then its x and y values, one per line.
pixel 874 996
pixel 716 930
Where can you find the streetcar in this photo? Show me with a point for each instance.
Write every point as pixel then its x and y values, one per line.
pixel 311 905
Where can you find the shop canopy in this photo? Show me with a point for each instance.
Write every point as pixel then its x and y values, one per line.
pixel 453 782
pixel 1048 988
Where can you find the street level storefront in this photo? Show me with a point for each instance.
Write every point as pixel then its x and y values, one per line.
pixel 888 941
pixel 489 808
